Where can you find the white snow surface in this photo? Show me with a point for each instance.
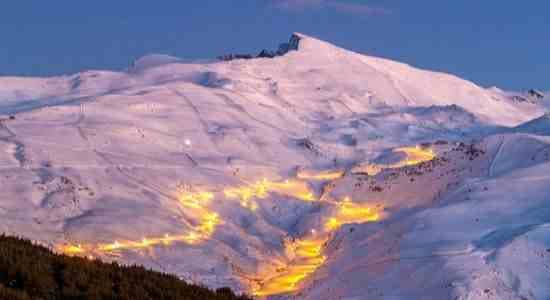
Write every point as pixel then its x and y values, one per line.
pixel 99 156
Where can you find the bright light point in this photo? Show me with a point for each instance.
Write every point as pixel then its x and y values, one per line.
pixel 187 142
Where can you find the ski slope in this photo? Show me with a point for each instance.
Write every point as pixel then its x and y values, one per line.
pixel 317 174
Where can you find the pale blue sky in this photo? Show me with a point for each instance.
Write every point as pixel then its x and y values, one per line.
pixel 502 43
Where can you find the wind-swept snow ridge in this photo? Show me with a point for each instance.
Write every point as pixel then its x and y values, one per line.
pixel 319 173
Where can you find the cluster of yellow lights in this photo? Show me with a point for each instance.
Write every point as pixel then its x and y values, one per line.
pixel 413 156
pixel 308 252
pixel 261 189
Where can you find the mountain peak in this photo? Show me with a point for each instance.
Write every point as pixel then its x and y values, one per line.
pixel 297 42
pixel 304 43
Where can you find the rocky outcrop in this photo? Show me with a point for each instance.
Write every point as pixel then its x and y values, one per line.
pixel 284 48
pixel 536 94
pixel 531 96
pixel 293 44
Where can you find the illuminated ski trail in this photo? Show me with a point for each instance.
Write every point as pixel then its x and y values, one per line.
pixel 323 175
pixel 194 203
pixel 350 212
pixel 306 254
pixel 308 257
pixel 413 156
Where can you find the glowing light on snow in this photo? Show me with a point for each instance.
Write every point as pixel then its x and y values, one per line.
pixel 308 257
pixel 324 175
pixel 208 224
pixel 195 202
pixel 350 212
pixel 261 189
pixel 200 233
pixel 187 142
pixel 413 156
pixel 307 254
pixel 71 249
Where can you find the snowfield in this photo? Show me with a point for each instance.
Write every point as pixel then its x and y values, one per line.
pixel 317 174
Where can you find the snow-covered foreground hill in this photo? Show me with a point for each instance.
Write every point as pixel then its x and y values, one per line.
pixel 318 174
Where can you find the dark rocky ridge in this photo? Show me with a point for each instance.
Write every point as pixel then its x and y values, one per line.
pixel 284 48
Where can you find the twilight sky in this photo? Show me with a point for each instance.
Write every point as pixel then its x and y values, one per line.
pixel 502 43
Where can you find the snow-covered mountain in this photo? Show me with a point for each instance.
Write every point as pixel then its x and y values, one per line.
pixel 319 173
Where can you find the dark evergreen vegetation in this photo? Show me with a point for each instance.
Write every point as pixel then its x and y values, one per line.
pixel 29 271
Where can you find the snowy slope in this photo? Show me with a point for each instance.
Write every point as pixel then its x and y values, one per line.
pixel 478 229
pixel 245 172
pixel 540 125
